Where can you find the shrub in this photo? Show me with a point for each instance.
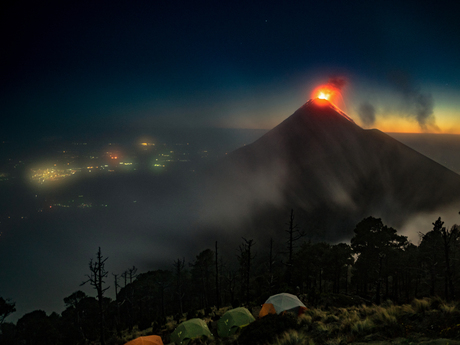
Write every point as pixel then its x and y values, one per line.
pixel 264 330
pixel 348 320
pixel 322 330
pixel 421 305
pixel 343 312
pixel 156 327
pixel 305 321
pixel 388 321
pixel 387 304
pixel 435 302
pixel 382 317
pixel 407 309
pixel 336 341
pixel 316 314
pixel 294 338
pixel 365 310
pixel 448 308
pixel 170 325
pixel 331 318
pixel 363 327
pixel 207 312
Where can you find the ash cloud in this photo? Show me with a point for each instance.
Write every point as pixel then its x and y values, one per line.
pixel 417 105
pixel 337 82
pixel 366 113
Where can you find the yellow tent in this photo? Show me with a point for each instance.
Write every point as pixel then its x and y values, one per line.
pixel 147 340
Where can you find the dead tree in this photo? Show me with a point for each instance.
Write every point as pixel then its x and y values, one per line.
pixel 271 269
pixel 245 259
pixel 132 274
pixel 96 279
pixel 179 266
pixel 217 281
pixel 294 235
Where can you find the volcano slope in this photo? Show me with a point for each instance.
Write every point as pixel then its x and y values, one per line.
pixel 330 171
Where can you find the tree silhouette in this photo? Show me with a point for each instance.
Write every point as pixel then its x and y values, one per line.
pixel 96 279
pixel 202 272
pixel 38 329
pixel 245 258
pixel 6 308
pixel 437 248
pixel 341 259
pixel 374 242
pixel 217 278
pixel 295 234
pixel 80 319
pixel 271 279
pixel 179 266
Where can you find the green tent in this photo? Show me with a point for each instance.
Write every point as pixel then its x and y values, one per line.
pixel 189 330
pixel 233 320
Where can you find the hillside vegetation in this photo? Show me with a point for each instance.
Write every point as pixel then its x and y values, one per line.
pixel 378 288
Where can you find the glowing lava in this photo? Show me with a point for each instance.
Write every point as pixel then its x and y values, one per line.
pixel 323 95
pixel 325 92
pixel 329 93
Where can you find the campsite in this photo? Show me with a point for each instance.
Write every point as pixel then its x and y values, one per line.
pixel 425 321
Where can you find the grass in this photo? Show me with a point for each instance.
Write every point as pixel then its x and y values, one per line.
pixel 368 310
pixel 316 314
pixel 323 328
pixel 336 341
pixel 294 338
pixel 421 305
pixel 448 308
pixel 384 317
pixel 422 319
pixel 363 327
pixel 305 321
pixel 348 320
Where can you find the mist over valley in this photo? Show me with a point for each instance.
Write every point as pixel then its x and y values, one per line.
pixel 209 185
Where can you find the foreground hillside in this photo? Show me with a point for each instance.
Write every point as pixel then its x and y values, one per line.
pixel 424 321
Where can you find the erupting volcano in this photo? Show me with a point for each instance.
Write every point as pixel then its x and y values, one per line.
pixel 332 172
pixel 330 91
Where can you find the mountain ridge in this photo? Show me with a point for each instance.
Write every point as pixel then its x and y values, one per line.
pixel 331 171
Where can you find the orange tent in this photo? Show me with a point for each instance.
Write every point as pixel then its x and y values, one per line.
pixel 147 340
pixel 267 308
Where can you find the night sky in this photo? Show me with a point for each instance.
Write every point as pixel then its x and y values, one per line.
pixel 68 66
pixel 72 67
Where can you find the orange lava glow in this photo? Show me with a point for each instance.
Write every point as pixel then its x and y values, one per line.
pixel 326 92
pixel 323 95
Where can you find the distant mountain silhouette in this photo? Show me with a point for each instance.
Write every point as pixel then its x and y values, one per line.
pixel 332 172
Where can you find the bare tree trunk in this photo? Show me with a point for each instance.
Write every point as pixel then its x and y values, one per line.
pixel 96 279
pixel 217 281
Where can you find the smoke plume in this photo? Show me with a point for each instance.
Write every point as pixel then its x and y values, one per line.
pixel 337 82
pixel 367 114
pixel 417 105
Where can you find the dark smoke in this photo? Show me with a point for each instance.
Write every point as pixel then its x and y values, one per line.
pixel 337 82
pixel 418 105
pixel 367 114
